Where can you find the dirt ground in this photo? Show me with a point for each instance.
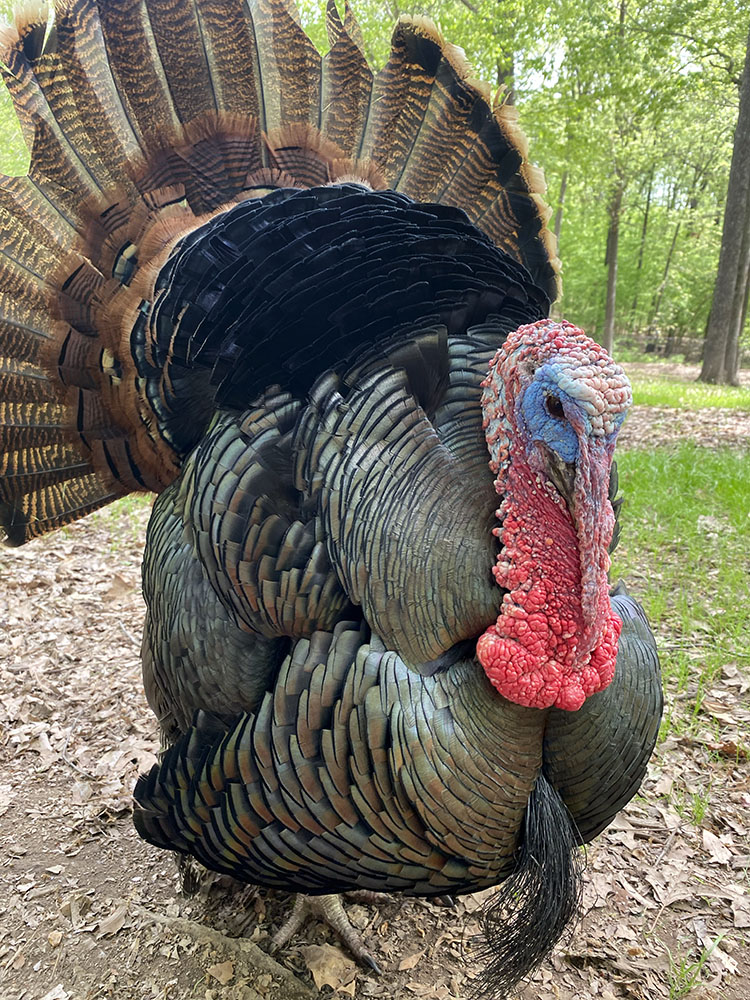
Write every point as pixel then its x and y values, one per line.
pixel 676 370
pixel 89 911
pixel 647 426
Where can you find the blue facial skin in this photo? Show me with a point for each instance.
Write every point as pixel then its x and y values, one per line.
pixel 546 412
pixel 540 410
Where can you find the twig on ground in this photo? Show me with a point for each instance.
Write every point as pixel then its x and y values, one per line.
pixel 250 952
pixel 129 635
pixel 69 761
pixel 665 849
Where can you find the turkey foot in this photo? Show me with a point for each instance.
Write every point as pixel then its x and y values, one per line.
pixel 330 910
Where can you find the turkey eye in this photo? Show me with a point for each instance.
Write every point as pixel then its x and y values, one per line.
pixel 555 407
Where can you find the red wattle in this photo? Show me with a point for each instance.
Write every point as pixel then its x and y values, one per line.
pixel 542 651
pixel 526 678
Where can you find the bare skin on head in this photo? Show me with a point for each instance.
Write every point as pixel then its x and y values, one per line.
pixel 551 427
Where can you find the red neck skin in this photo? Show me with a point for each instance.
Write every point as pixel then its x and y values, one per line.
pixel 555 640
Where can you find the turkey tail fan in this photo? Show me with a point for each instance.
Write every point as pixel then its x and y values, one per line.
pixel 439 135
pixel 527 916
pixel 144 120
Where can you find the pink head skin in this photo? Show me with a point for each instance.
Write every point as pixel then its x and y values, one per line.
pixel 553 403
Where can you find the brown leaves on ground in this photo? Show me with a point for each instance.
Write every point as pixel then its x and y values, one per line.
pixel 652 426
pixel 675 371
pixel 329 966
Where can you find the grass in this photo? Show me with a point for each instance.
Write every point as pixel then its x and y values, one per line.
pixel 685 553
pixel 629 353
pixel 692 806
pixel 684 975
pixel 691 395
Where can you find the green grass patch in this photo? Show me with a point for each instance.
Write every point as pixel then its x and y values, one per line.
pixel 688 395
pixel 685 554
pixel 685 974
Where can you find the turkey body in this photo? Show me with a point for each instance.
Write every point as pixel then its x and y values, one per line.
pixel 305 305
pixel 359 763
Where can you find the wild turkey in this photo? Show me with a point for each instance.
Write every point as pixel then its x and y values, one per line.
pixel 270 287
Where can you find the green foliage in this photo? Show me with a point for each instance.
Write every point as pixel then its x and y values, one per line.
pixel 685 974
pixel 14 157
pixel 640 103
pixel 640 92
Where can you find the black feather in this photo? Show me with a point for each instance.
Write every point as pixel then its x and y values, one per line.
pixel 524 921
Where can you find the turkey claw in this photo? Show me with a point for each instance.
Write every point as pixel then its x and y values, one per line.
pixel 330 910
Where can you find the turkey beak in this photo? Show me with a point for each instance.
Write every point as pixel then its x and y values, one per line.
pixel 562 475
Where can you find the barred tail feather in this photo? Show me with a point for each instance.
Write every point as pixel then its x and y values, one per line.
pixel 346 84
pixel 144 119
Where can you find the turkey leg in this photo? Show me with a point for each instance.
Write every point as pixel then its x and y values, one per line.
pixel 329 908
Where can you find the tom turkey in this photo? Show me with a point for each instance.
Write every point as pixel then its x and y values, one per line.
pixel 305 305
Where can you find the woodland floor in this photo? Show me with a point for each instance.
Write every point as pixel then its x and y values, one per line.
pixel 89 911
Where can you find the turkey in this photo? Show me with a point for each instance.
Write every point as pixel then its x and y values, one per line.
pixel 305 305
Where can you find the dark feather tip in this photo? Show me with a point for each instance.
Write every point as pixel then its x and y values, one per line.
pixel 527 917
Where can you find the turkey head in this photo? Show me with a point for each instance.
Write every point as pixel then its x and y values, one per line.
pixel 553 403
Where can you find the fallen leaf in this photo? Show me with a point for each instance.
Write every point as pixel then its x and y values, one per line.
pixel 329 966
pixel 419 989
pixel 222 973
pixel 624 932
pixel 663 784
pixel 720 712
pixel 741 910
pixel 5 798
pixel 718 960
pixel 410 961
pixel 730 750
pixel 719 852
pixel 58 993
pixel 47 756
pixel 114 922
pixel 118 588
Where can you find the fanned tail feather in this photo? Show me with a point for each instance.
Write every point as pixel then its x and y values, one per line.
pixel 146 118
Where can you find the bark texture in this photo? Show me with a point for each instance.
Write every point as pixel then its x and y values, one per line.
pixel 721 354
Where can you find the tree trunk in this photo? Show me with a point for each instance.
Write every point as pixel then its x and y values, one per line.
pixel 639 266
pixel 656 303
pixel 559 212
pixel 731 349
pixel 722 336
pixel 613 237
pixel 743 318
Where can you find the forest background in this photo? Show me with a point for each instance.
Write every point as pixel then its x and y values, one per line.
pixel 631 108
